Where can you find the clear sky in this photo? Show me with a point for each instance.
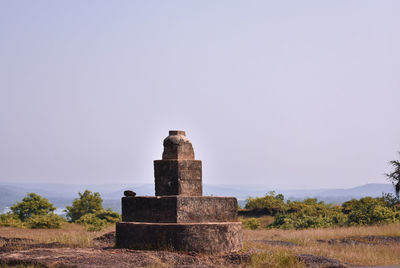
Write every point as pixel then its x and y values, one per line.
pixel 288 94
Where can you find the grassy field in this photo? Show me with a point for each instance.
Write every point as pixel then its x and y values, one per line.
pixel 352 245
pixel 73 235
pixel 369 245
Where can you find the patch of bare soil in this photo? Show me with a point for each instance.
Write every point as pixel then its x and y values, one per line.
pixel 319 261
pixel 366 240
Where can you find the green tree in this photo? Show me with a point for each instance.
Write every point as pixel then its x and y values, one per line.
pixel 87 203
pixel 31 205
pixel 271 203
pixel 394 176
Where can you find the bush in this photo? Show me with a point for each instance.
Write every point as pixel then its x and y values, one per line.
pixel 87 203
pixel 88 210
pixel 11 220
pixel 45 221
pixel 33 211
pixel 92 223
pixel 270 203
pixel 251 223
pixel 313 214
pixel 369 210
pixel 310 214
pixel 109 216
pixel 32 204
pixel 98 221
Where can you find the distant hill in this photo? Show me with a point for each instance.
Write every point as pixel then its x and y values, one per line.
pixel 371 189
pixel 62 195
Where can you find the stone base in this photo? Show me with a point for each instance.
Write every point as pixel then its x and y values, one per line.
pixel 179 209
pixel 198 237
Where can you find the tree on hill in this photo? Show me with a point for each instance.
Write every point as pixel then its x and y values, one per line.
pixel 32 204
pixel 87 203
pixel 88 210
pixel 34 211
pixel 394 176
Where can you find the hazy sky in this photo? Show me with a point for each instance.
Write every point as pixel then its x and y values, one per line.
pixel 288 94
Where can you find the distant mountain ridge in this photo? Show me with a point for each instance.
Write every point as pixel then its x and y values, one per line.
pixel 63 194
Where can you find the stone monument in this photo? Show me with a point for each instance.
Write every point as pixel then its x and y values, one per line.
pixel 179 217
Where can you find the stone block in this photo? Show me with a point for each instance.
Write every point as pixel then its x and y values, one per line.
pixel 179 209
pixel 178 177
pixel 177 146
pixel 198 237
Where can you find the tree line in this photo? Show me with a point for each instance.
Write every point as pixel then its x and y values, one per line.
pixel 35 211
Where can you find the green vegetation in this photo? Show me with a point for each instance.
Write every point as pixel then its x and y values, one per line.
pixel 368 210
pixel 394 176
pixel 11 220
pixel 34 211
pixel 88 210
pixel 310 213
pixel 32 204
pixel 270 203
pixel 251 223
pixel 49 221
pixel 87 203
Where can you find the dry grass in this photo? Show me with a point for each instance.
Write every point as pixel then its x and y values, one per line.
pixel 263 255
pixel 280 258
pixel 306 240
pixel 73 235
pixel 323 233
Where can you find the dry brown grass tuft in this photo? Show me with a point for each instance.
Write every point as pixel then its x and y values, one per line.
pixel 73 235
pixel 309 241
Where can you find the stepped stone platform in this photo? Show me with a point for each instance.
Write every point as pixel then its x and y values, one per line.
pixel 179 217
pixel 177 209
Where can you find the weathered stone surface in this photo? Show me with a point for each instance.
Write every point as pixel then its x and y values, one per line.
pixel 199 237
pixel 178 177
pixel 177 209
pixel 177 146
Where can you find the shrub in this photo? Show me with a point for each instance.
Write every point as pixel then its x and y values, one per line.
pixel 313 214
pixel 251 223
pixel 33 211
pixel 109 215
pixel 11 220
pixel 369 210
pixel 310 214
pixel 45 221
pixel 88 210
pixel 32 204
pixel 97 221
pixel 87 203
pixel 92 223
pixel 271 203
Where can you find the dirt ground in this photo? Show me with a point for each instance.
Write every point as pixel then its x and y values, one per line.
pixel 26 252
